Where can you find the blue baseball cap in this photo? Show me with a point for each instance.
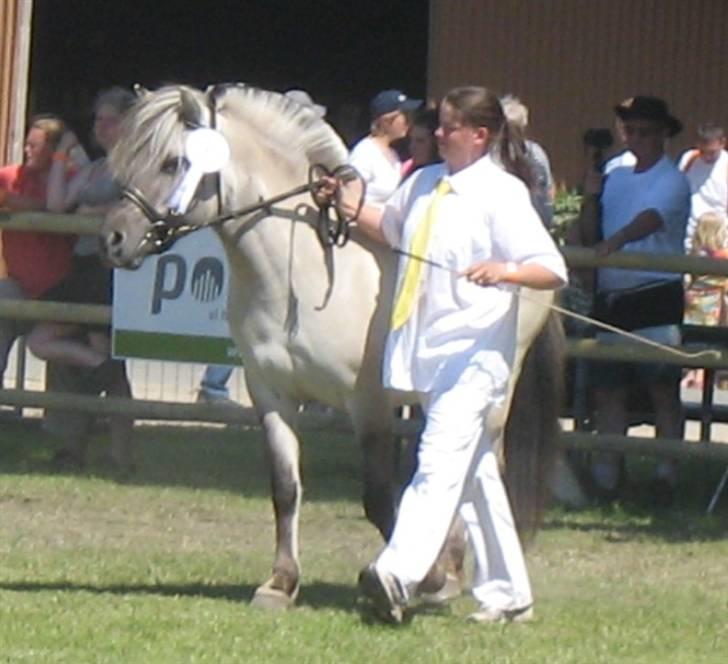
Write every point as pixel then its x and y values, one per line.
pixel 388 101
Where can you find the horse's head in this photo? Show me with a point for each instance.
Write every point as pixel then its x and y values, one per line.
pixel 149 163
pixel 168 192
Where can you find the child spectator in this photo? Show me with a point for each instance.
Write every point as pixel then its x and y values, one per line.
pixel 705 295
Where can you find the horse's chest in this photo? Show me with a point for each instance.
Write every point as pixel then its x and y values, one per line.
pixel 295 354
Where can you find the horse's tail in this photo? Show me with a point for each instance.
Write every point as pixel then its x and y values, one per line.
pixel 532 432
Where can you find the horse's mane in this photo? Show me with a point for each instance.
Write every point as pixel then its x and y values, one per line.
pixel 289 127
pixel 153 128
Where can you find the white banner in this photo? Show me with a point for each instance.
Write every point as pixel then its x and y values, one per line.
pixel 174 307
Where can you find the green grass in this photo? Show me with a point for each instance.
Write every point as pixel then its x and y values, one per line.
pixel 160 567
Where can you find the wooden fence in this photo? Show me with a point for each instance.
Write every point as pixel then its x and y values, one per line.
pixel 588 349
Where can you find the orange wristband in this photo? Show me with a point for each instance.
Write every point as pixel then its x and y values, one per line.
pixel 60 156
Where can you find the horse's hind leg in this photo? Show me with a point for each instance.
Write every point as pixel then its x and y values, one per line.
pixel 378 497
pixel 280 591
pixel 373 419
pixel 446 577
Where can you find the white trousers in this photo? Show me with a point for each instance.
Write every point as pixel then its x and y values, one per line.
pixel 458 471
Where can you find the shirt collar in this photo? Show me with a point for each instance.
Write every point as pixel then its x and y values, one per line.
pixel 471 177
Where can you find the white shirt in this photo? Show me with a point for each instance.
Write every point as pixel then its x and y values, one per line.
pixel 456 324
pixel 661 188
pixel 380 173
pixel 708 187
pixel 625 158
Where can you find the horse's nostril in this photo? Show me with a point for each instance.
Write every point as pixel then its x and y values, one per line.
pixel 115 238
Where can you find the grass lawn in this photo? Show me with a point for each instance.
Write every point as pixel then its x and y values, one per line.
pixel 160 567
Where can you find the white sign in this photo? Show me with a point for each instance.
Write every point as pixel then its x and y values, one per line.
pixel 174 307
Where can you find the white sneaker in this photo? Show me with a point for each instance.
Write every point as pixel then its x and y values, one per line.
pixel 499 616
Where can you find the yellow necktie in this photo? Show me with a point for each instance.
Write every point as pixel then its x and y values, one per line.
pixel 404 303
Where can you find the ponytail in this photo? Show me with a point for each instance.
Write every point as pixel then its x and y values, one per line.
pixel 512 152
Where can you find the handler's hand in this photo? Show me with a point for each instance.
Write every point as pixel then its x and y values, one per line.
pixel 486 273
pixel 324 194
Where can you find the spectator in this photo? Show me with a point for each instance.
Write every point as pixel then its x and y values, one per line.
pixel 79 355
pixel 645 209
pixel 213 386
pixel 373 156
pixel 422 142
pixel 626 157
pixel 706 168
pixel 90 192
pixel 705 296
pixel 543 191
pixel 454 346
pixel 34 261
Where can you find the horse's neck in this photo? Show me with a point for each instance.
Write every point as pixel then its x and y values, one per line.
pixel 260 247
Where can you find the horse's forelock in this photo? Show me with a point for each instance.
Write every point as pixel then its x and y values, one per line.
pixel 152 129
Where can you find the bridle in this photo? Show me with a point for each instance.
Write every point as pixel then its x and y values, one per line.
pixel 332 230
pixel 167 228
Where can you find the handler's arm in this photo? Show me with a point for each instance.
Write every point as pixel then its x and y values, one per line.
pixel 530 275
pixel 370 222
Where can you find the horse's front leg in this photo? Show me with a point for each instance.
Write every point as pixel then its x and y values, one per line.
pixel 281 589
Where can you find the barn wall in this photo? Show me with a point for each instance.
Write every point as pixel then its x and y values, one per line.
pixel 15 17
pixel 570 61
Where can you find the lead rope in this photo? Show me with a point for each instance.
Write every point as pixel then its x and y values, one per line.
pixel 702 354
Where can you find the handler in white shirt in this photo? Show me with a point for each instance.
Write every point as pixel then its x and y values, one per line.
pixel 455 345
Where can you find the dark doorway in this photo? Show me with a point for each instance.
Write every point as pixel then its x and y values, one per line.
pixel 341 53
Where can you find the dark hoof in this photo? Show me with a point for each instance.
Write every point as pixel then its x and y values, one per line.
pixel 449 590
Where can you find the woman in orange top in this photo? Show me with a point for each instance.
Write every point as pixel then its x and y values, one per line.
pixel 34 261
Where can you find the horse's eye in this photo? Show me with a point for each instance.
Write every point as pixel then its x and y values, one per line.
pixel 173 165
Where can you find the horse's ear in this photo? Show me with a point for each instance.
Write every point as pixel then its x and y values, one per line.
pixel 140 91
pixel 190 111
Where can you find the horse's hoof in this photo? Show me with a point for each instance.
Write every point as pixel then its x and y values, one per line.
pixel 267 597
pixel 450 590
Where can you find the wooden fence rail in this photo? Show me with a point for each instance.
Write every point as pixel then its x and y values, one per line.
pixel 200 412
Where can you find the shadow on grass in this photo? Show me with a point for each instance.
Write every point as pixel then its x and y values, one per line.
pixel 224 459
pixel 624 523
pixel 635 514
pixel 233 460
pixel 317 595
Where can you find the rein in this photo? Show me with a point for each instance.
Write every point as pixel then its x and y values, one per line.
pixel 169 227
